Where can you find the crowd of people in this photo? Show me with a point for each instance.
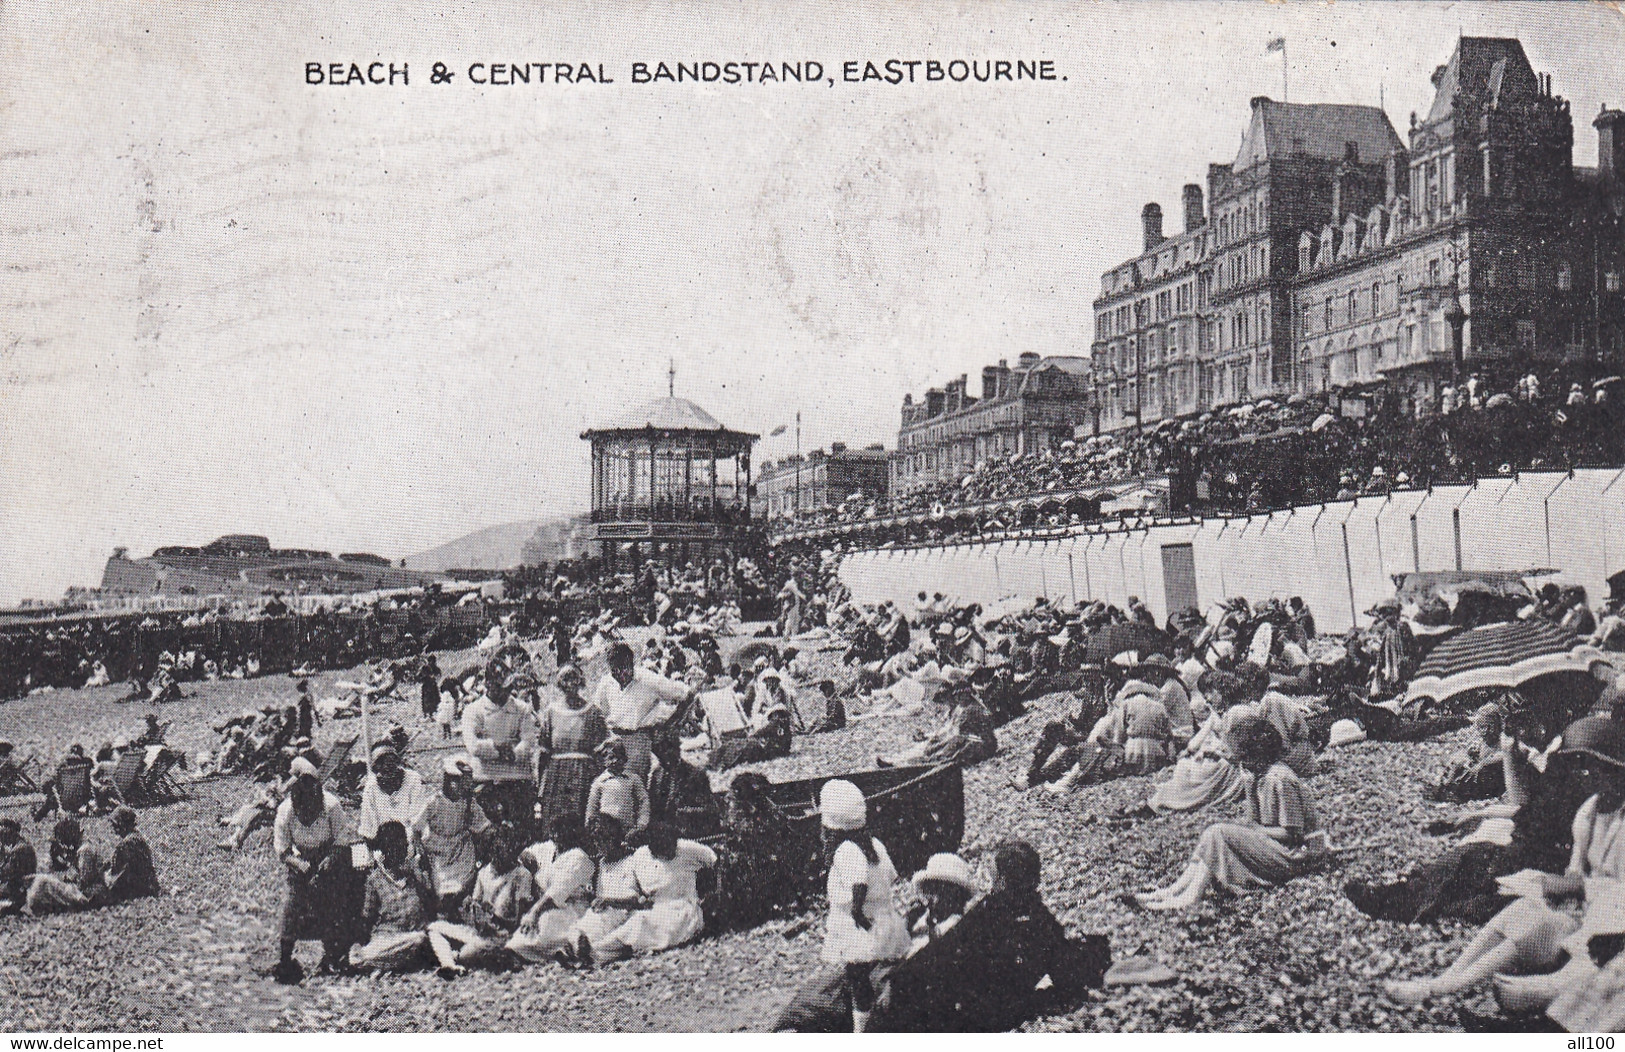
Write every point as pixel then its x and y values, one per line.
pixel 572 820
pixel 1336 447
pixel 157 653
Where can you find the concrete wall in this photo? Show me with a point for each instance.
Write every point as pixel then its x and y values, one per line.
pixel 1339 557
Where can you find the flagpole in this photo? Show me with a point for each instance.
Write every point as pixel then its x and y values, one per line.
pixel 797 514
pixel 1284 95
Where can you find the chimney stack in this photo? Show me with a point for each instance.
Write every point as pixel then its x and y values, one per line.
pixel 1151 220
pixel 1194 215
pixel 1610 125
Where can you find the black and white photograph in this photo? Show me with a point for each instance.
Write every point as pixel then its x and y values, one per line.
pixel 789 516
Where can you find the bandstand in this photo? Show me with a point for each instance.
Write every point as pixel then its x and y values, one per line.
pixel 669 483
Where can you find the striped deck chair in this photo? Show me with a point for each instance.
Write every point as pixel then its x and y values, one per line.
pixel 158 783
pixel 127 776
pixel 337 758
pixel 73 791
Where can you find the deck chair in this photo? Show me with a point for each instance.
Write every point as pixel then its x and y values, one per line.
pixel 159 783
pixel 16 781
pixel 73 791
pixel 724 713
pixel 127 776
pixel 337 758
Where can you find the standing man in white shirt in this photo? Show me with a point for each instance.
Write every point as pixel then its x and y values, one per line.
pixel 638 704
pixel 499 732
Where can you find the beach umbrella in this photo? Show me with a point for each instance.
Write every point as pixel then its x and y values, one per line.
pixel 1504 654
pixel 1322 422
pixel 1498 400
pixel 1108 642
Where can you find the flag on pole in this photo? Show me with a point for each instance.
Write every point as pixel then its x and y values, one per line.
pixel 777 431
pixel 1277 44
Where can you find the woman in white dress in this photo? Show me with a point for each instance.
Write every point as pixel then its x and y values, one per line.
pixel 1523 944
pixel 393 792
pixel 865 925
pixel 665 870
pixel 563 871
pixel 618 891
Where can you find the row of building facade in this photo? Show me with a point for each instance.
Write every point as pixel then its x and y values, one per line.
pixel 1330 254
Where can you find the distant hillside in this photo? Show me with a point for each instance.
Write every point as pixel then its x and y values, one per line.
pixel 493 548
pixel 507 546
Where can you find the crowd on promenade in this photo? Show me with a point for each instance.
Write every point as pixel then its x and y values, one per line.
pixel 1266 455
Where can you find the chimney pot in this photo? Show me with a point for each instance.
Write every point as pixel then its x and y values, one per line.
pixel 1151 220
pixel 1610 125
pixel 1194 215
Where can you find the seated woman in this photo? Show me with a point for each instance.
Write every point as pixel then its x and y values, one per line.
pixel 1281 838
pixel 1062 744
pixel 563 872
pixel 965 736
pixel 618 891
pixel 664 872
pixel 1461 882
pixel 445 830
pixel 77 879
pixel 502 895
pixel 770 733
pixel 1207 774
pixel 944 888
pixel 1532 949
pixel 1477 773
pixel 258 813
pixel 398 907
pixel 1137 724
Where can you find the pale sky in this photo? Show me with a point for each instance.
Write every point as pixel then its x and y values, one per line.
pixel 375 318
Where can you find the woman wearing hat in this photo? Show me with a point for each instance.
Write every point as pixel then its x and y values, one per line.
pixel 1526 941
pixel 445 829
pixel 864 925
pixel 1281 838
pixel 571 733
pixel 945 886
pixel 1208 774
pixel 563 872
pixel 78 876
pixel 393 792
pixel 307 836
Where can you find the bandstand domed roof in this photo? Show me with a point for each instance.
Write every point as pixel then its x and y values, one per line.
pixel 664 414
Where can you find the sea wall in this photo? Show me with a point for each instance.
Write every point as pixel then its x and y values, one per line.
pixel 1340 556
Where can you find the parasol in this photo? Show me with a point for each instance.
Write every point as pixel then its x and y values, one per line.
pixel 1503 654
pixel 1108 642
pixel 1321 422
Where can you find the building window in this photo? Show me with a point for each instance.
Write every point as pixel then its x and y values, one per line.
pixel 1326 319
pixel 1433 273
pixel 1565 277
pixel 1526 336
pixel 1349 307
pixel 1611 281
pixel 1376 299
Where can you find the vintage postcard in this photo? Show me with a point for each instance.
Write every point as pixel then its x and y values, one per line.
pixel 795 516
